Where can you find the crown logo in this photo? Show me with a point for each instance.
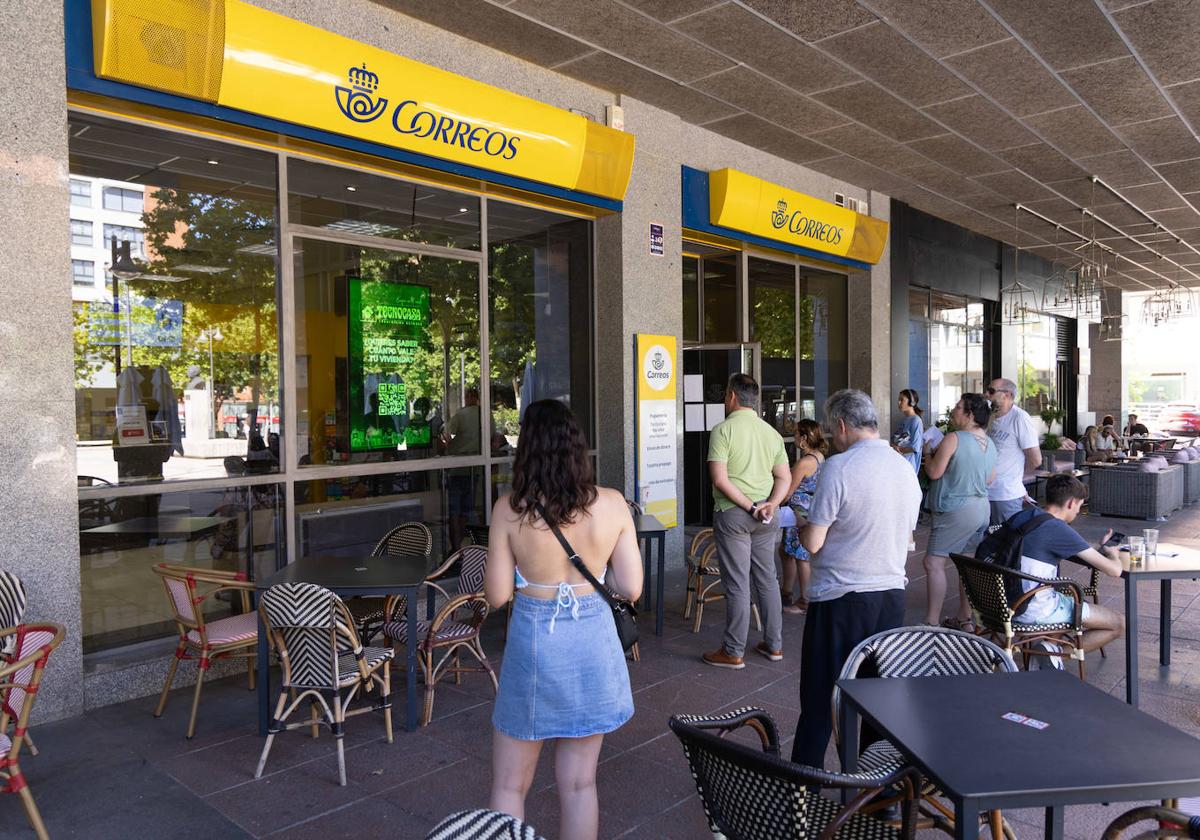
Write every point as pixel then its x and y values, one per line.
pixel 361 78
pixel 357 102
pixel 658 361
pixel 779 215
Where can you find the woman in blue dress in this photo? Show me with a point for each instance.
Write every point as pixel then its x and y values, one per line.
pixel 909 438
pixel 811 450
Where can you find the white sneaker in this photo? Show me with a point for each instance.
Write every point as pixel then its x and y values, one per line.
pixel 1052 661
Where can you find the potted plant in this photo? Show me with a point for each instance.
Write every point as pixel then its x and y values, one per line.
pixel 1050 415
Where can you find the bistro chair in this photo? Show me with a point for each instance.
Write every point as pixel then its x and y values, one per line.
pixel 482 824
pixel 996 619
pixel 478 535
pixel 919 652
pixel 703 576
pixel 634 508
pixel 323 661
pixel 20 678
pixel 454 628
pixel 201 639
pixel 1091 589
pixel 1165 823
pixel 12 609
pixel 402 541
pixel 750 794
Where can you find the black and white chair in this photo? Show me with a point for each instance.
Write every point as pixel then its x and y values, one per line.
pixel 919 652
pixel 482 824
pixel 749 794
pixel 406 540
pixel 12 609
pixel 454 628
pixel 323 662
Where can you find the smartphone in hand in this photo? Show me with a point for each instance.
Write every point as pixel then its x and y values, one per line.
pixel 1115 540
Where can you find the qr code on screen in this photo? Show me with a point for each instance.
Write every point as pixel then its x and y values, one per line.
pixel 391 399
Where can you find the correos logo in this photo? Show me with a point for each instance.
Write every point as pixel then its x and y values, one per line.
pixel 656 367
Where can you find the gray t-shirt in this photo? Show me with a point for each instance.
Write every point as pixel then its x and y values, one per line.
pixel 869 497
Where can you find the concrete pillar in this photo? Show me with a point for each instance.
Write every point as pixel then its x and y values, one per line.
pixel 870 362
pixel 1104 384
pixel 39 538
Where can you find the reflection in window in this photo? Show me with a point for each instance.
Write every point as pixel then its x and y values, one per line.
pixel 539 267
pixel 721 310
pixel 822 338
pixel 124 200
pixel 691 299
pixel 387 355
pixel 182 360
pixel 81 233
pixel 1029 350
pixel 945 349
pixel 772 289
pixel 349 201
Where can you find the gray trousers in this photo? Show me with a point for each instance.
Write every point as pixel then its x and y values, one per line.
pixel 746 549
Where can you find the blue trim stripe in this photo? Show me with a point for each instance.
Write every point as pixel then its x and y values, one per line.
pixel 81 76
pixel 694 183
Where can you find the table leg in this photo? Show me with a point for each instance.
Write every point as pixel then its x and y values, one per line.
pixel 966 820
pixel 410 659
pixel 658 605
pixel 1164 623
pixel 646 573
pixel 1131 651
pixel 1054 822
pixel 847 743
pixel 263 678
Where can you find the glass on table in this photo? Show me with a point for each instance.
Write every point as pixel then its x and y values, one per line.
pixel 1137 550
pixel 1150 536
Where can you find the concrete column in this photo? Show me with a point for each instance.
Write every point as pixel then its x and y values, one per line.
pixel 1104 384
pixel 39 538
pixel 870 362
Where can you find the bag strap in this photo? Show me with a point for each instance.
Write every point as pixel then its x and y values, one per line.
pixel 573 556
pixel 1035 522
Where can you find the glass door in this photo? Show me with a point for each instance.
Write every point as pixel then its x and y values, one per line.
pixel 706 371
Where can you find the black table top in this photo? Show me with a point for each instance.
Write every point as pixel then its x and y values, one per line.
pixel 953 729
pixel 161 525
pixel 348 575
pixel 646 525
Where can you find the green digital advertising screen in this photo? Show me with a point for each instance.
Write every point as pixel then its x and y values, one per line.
pixel 387 325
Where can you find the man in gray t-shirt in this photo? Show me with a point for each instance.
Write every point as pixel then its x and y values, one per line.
pixel 863 512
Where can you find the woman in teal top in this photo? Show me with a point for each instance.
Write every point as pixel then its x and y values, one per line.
pixel 961 469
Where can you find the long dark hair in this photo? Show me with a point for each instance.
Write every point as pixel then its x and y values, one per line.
pixel 552 465
pixel 809 431
pixel 914 399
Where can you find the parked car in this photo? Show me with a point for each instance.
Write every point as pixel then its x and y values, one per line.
pixel 1180 418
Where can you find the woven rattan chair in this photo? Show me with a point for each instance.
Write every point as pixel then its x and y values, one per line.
pixel 1091 589
pixel 402 541
pixel 482 824
pixel 996 619
pixel 455 627
pixel 20 678
pixel 203 640
pixel 323 662
pixel 751 794
pixel 920 652
pixel 1166 824
pixel 703 576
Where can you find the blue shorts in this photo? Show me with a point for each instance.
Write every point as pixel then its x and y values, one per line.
pixel 1064 612
pixel 571 682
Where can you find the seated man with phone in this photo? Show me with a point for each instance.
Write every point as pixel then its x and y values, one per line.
pixel 1055 540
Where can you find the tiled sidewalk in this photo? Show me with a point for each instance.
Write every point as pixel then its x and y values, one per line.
pixel 119 773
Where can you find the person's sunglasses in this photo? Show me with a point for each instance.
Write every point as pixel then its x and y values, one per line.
pixel 990 391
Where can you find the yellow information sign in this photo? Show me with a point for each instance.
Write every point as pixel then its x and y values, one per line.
pixel 244 57
pixel 751 205
pixel 657 449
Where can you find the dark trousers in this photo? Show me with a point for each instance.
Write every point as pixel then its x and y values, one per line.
pixel 831 630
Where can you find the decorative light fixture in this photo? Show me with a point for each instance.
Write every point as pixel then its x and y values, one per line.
pixel 1157 308
pixel 1018 302
pixel 1112 327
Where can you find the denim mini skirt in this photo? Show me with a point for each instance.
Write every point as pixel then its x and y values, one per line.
pixel 563 674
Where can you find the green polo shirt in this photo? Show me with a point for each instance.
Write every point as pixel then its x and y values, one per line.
pixel 750 448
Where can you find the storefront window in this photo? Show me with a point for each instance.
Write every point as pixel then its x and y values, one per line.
pixel 721 309
pixel 822 334
pixel 945 349
pixel 1029 351
pixel 387 364
pixel 539 315
pixel 772 290
pixel 176 369
pixel 691 299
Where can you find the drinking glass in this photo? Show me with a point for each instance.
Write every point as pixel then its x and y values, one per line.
pixel 1137 550
pixel 1150 535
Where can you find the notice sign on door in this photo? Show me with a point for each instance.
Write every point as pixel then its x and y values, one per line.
pixel 657 382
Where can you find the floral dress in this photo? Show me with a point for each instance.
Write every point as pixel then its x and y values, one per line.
pixel 801 501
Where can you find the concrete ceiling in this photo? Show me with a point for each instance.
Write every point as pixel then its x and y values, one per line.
pixel 961 108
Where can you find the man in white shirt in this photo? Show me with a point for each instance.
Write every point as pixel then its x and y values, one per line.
pixel 1017 450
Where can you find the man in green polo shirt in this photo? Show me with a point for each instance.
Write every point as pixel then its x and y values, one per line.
pixel 750 476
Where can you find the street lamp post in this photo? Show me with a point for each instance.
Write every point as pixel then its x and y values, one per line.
pixel 212 334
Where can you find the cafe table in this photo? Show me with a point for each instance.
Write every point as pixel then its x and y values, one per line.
pixel 649 529
pixel 350 577
pixel 1091 748
pixel 160 527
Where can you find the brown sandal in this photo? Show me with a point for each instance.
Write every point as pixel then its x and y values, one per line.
pixel 799 607
pixel 966 625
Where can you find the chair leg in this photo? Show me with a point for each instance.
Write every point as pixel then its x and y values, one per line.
pixel 457 668
pixel 689 594
pixel 701 597
pixel 387 692
pixel 996 821
pixel 31 811
pixel 427 670
pixel 196 695
pixel 33 750
pixel 266 750
pixel 250 669
pixel 162 700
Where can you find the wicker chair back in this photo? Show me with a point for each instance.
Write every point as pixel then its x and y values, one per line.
pixel 12 608
pixel 306 621
pixel 404 540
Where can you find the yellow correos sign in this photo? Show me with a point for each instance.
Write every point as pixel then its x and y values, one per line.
pixel 751 205
pixel 657 449
pixel 243 57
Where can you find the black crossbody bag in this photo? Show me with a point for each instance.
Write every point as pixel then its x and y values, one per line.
pixel 623 612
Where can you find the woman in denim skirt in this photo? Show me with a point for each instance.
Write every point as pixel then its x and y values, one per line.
pixel 564 675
